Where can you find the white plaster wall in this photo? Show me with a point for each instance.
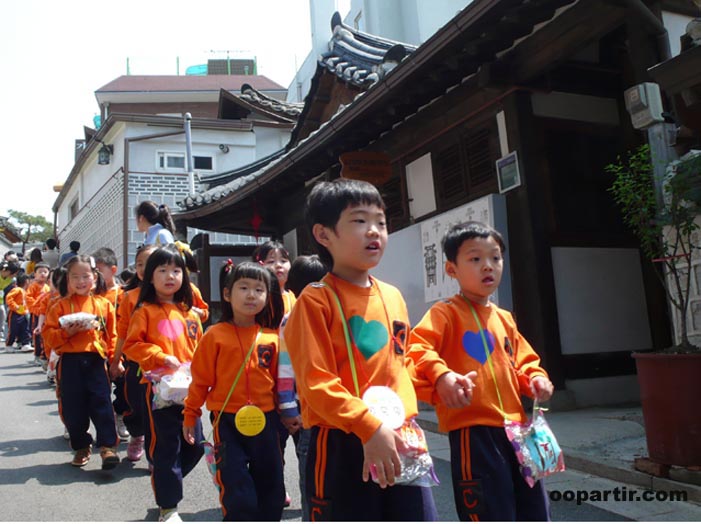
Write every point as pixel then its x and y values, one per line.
pixel 676 27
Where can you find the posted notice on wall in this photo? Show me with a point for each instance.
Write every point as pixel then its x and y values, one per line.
pixel 438 285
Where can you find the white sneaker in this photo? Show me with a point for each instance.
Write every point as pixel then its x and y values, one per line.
pixel 122 430
pixel 65 433
pixel 169 515
pixel 26 348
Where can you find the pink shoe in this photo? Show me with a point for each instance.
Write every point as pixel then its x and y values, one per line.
pixel 135 448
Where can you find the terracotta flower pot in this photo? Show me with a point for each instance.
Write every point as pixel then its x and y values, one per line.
pixel 670 391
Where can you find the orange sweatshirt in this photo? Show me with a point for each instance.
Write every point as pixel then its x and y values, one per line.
pixel 379 323
pixel 198 302
pixel 217 361
pixel 125 310
pixel 448 338
pixel 45 301
pixel 16 301
pixel 159 330
pixel 85 341
pixel 36 290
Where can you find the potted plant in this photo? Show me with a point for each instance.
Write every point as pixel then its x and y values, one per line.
pixel 667 228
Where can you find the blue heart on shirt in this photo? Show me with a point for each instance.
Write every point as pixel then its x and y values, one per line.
pixel 473 345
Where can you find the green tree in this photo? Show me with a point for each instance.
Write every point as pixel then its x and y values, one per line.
pixel 666 235
pixel 31 228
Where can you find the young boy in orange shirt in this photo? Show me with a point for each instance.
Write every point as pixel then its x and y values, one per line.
pixel 37 288
pixel 466 338
pixel 349 444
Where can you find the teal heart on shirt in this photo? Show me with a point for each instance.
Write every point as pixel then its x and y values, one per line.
pixel 369 337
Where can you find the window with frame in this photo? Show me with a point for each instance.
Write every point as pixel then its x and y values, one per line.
pixel 75 209
pixel 464 168
pixel 176 162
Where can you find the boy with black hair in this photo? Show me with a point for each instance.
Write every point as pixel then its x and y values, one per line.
pixel 348 443
pixel 106 263
pixel 17 319
pixel 467 336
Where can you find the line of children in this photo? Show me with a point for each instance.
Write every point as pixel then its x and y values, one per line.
pixel 242 345
pixel 345 334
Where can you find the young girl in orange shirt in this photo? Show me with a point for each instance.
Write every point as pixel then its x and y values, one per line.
pixel 84 389
pixel 163 334
pixel 235 372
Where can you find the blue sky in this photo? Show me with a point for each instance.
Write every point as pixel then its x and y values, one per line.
pixel 54 55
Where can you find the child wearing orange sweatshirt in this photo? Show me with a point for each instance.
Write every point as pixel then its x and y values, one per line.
pixel 83 383
pixel 17 321
pixel 235 371
pixel 135 418
pixel 163 334
pixel 37 288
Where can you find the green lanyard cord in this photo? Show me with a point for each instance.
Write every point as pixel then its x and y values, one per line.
pixel 236 381
pixel 486 351
pixel 346 334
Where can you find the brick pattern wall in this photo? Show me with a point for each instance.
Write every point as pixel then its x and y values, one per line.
pixel 99 223
pixel 166 189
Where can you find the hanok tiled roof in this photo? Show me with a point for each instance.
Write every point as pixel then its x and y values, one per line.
pixel 253 96
pixel 8 230
pixel 482 33
pixel 167 83
pixel 359 58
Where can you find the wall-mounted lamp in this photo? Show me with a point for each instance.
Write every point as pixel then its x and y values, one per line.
pixel 223 148
pixel 103 155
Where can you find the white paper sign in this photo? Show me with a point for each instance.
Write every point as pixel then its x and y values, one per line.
pixel 437 284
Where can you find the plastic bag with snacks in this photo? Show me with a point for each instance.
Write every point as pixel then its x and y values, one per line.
pixel 169 386
pixel 417 465
pixel 536 447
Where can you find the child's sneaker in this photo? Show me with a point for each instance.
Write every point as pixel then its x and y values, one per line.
pixel 27 348
pixel 109 456
pixel 135 448
pixel 81 457
pixel 66 435
pixel 288 500
pixel 122 430
pixel 169 515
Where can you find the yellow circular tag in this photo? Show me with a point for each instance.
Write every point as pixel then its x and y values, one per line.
pixel 250 420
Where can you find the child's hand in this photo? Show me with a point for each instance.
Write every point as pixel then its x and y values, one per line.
pixel 116 368
pixel 37 331
pixel 292 423
pixel 382 456
pixel 542 388
pixel 189 434
pixel 172 362
pixel 455 391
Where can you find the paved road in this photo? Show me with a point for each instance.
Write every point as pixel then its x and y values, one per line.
pixel 38 484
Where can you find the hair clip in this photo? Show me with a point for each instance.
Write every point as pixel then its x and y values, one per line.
pixel 183 248
pixel 228 265
pixel 162 206
pixel 92 263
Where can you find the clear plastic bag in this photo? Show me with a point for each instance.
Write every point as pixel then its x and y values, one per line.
pixel 169 386
pixel 536 447
pixel 417 464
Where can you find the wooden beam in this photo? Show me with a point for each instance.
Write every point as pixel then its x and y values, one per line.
pixel 581 24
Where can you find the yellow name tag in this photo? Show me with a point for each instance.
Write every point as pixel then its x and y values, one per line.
pixel 250 420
